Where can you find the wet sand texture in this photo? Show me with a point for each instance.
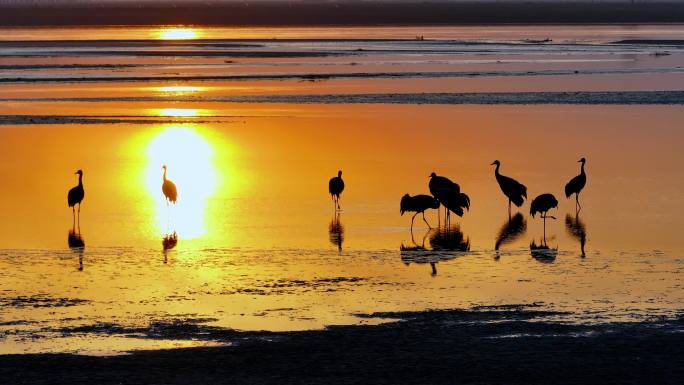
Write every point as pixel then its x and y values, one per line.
pixel 484 346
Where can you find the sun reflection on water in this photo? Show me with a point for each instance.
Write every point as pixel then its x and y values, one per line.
pixel 177 112
pixel 178 34
pixel 189 158
pixel 179 89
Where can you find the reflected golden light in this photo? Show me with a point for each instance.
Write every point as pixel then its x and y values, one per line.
pixel 180 89
pixel 178 112
pixel 178 34
pixel 188 156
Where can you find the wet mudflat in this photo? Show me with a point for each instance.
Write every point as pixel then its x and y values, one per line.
pixel 478 346
pixel 253 258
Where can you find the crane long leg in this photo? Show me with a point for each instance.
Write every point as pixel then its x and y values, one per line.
pixel 577 202
pixel 412 218
pixel 426 222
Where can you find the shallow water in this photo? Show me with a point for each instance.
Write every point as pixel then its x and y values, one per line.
pixel 258 243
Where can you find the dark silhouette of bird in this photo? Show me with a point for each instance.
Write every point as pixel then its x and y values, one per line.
pixel 169 189
pixel 417 204
pixel 449 194
pixel 542 204
pixel 577 229
pixel 76 195
pixel 511 230
pixel 455 202
pixel 576 185
pixel 439 183
pixel 335 188
pixel 514 190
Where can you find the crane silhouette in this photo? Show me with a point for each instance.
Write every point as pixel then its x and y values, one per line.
pixel 576 185
pixel 335 188
pixel 75 197
pixel 449 195
pixel 454 201
pixel 417 204
pixel 169 189
pixel 514 190
pixel 542 204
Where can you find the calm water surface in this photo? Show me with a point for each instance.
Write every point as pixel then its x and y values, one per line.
pixel 259 245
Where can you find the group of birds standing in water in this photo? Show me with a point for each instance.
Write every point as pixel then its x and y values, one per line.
pixel 444 193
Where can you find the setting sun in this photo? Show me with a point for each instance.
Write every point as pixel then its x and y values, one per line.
pixel 178 34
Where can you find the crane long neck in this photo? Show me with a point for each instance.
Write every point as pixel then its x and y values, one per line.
pixel 164 173
pixel 582 169
pixel 80 179
pixel 496 170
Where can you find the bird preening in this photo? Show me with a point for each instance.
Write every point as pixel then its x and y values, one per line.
pixel 515 191
pixel 576 185
pixel 541 205
pixel 169 189
pixel 75 197
pixel 335 188
pixel 418 204
pixel 449 195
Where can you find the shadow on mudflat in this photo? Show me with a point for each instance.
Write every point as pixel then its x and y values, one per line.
pixel 505 344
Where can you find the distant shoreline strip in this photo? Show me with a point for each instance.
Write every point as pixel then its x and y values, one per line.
pixel 477 98
pixel 339 75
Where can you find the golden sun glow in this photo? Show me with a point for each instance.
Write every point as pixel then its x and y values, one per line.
pixel 178 112
pixel 189 160
pixel 180 89
pixel 178 34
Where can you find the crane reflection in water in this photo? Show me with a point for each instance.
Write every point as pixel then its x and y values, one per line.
pixel 77 244
pixel 577 229
pixel 336 232
pixel 446 243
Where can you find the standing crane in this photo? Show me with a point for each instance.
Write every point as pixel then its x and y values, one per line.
pixel 515 191
pixel 576 185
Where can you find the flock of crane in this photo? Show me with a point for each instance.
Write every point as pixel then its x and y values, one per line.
pixel 447 193
pixel 444 192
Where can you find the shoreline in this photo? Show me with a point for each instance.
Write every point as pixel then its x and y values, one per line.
pixel 500 344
